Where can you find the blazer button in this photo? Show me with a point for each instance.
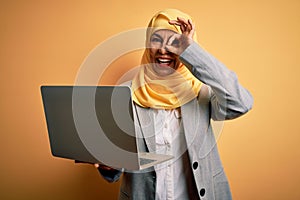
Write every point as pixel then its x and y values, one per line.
pixel 202 192
pixel 195 165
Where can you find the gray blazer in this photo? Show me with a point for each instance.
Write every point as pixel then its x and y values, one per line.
pixel 220 98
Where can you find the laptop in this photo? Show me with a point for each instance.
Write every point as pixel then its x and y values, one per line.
pixel 95 124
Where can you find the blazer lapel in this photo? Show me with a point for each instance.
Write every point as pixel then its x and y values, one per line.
pixel 191 119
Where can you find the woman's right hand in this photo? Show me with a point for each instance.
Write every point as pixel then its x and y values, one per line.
pixel 108 173
pixel 103 167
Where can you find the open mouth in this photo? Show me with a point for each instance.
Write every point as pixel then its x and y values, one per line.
pixel 164 62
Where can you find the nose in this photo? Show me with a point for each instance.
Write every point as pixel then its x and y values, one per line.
pixel 163 49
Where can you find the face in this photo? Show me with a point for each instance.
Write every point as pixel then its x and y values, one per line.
pixel 164 62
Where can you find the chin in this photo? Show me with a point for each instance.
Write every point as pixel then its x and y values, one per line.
pixel 163 71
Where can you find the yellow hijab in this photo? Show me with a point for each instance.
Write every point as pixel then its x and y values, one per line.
pixel 168 92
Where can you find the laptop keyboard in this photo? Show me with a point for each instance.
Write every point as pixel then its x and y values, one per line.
pixel 144 161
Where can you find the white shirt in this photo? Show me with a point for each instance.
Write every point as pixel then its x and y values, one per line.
pixel 174 177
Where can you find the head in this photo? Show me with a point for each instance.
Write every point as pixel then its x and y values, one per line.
pixel 162 62
pixel 156 85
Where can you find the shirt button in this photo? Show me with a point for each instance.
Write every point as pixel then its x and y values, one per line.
pixel 202 192
pixel 195 165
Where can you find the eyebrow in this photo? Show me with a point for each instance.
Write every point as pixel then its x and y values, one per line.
pixel 157 35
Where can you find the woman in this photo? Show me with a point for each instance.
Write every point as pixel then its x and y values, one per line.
pixel 178 90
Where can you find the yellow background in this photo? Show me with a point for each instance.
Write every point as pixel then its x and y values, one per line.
pixel 45 42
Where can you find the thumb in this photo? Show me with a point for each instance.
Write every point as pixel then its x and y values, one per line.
pixel 173 44
pixel 174 40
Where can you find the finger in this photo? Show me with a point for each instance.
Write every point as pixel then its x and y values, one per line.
pixel 188 24
pixel 191 24
pixel 174 22
pixel 96 165
pixel 183 28
pixel 183 21
pixel 172 49
pixel 192 31
pixel 173 44
pixel 178 23
pixel 174 40
pixel 105 167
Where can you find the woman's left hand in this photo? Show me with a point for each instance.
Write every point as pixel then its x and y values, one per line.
pixel 179 42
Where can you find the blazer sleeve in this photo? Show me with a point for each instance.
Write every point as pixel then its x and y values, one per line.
pixel 228 98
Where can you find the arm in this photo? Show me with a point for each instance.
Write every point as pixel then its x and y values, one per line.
pixel 228 98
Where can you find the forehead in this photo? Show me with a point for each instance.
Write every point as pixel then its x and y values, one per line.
pixel 163 33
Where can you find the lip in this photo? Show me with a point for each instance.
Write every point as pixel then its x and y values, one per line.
pixel 164 61
pixel 165 57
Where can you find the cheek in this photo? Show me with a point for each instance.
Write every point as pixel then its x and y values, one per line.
pixel 177 63
pixel 152 52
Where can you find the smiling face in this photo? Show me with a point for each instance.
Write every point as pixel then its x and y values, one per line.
pixel 164 62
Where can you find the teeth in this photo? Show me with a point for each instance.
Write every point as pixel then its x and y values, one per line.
pixel 164 60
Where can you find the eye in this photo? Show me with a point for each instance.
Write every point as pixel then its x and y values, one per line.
pixel 155 39
pixel 175 42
